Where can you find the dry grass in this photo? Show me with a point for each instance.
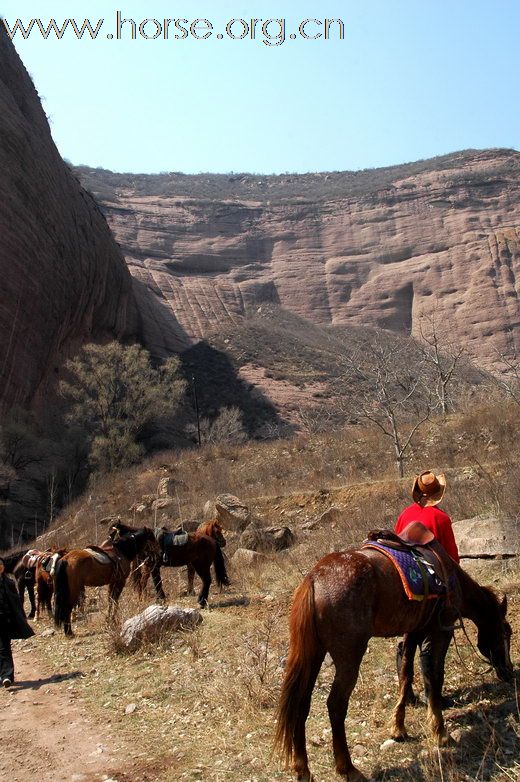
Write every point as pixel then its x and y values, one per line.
pixel 299 478
pixel 205 700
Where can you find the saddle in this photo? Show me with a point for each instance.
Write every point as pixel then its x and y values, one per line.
pixel 105 554
pixel 168 540
pixel 31 558
pixel 418 558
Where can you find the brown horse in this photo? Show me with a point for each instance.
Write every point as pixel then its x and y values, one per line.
pixel 202 549
pixel 44 578
pixel 345 600
pixel 95 567
pixel 24 577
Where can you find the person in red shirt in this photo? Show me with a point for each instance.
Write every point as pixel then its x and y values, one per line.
pixel 427 492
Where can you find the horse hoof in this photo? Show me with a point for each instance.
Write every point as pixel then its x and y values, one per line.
pixel 352 774
pixel 399 735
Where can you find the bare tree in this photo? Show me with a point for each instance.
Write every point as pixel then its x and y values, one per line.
pixel 227 427
pixel 392 394
pixel 442 356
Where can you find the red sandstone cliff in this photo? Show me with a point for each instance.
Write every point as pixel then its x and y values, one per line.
pixel 63 279
pixel 377 248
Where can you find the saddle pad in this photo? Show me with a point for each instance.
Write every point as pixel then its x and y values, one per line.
pixel 172 539
pixel 413 572
pixel 32 558
pixel 102 558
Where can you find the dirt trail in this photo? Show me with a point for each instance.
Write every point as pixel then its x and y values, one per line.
pixel 46 734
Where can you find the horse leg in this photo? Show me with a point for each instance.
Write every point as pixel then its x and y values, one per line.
pixel 204 573
pixel 157 580
pixel 30 592
pixel 406 654
pixel 191 577
pixel 20 582
pixel 433 655
pixel 300 758
pixel 347 664
pixel 114 593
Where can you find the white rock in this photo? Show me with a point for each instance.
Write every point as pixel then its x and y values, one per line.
pixel 155 620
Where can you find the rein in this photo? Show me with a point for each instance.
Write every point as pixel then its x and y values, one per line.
pixel 462 627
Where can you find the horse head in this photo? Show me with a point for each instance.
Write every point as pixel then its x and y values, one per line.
pixel 494 641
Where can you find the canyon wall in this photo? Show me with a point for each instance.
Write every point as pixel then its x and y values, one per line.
pixel 380 248
pixel 63 277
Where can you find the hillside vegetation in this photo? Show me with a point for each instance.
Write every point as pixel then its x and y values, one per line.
pixel 203 702
pixel 310 187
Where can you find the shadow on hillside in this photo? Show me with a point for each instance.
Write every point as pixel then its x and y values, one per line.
pixel 216 383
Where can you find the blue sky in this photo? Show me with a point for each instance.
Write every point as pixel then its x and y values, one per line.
pixel 411 79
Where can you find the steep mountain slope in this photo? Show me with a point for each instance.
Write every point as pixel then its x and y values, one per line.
pixel 64 280
pixel 379 248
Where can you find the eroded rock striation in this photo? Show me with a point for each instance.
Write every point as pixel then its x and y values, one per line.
pixel 63 277
pixel 380 248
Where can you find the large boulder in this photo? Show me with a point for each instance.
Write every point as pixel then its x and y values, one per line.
pixel 487 537
pixel 280 537
pixel 154 621
pixel 258 538
pixel 232 512
pixel 254 538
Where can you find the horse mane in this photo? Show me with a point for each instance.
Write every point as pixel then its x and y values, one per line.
pixel 208 527
pixel 476 596
pixel 132 536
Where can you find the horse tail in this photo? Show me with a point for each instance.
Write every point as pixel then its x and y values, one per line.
pixel 61 593
pixel 303 664
pixel 220 568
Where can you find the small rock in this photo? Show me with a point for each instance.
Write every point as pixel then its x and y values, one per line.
pixel 244 557
pixel 130 708
pixel 47 633
pixel 387 743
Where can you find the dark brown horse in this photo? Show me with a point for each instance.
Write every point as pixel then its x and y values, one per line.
pixel 44 578
pixel 94 567
pixel 24 577
pixel 345 600
pixel 202 549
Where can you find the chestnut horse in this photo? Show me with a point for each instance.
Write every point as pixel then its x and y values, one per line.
pixel 202 549
pixel 343 601
pixel 45 580
pixel 81 567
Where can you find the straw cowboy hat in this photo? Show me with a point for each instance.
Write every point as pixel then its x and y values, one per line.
pixel 428 488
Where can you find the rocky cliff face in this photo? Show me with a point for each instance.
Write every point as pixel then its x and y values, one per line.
pixel 63 277
pixel 380 248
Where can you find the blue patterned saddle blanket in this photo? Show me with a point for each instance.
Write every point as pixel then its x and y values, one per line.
pixel 418 576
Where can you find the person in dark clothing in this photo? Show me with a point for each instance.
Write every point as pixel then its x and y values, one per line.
pixel 13 624
pixel 427 492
